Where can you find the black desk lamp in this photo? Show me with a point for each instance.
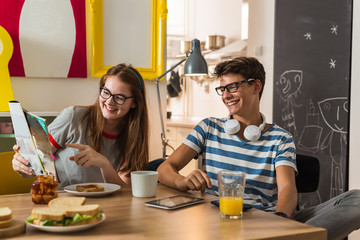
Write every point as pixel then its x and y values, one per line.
pixel 195 65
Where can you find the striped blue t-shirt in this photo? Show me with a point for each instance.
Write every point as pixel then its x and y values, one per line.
pixel 258 159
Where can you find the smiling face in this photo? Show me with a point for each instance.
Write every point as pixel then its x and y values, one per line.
pixel 243 102
pixel 289 83
pixel 111 111
pixel 335 113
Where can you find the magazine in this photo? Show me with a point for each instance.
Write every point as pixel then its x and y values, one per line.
pixel 32 137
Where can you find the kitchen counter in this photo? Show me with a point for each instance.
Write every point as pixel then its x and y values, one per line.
pixel 177 129
pixel 183 122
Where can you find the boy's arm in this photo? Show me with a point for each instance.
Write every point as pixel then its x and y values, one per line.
pixel 287 193
pixel 169 171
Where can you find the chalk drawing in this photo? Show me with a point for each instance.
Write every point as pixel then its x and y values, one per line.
pixel 307 36
pixel 334 29
pixel 288 87
pixel 311 134
pixel 332 63
pixel 333 111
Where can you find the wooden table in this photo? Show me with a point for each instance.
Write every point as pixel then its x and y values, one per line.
pixel 128 218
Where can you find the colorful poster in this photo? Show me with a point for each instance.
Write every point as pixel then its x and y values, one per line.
pixel 49 37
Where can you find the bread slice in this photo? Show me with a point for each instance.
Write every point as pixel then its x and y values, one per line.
pixel 66 202
pixel 89 209
pixel 5 213
pixel 5 223
pixel 47 213
pixel 90 188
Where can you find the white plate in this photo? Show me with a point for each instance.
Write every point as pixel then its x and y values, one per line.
pixel 64 229
pixel 108 188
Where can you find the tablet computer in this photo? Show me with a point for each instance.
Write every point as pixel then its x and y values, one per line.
pixel 174 202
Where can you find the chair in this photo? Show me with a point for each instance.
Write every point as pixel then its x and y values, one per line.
pixel 307 179
pixel 153 165
pixel 10 181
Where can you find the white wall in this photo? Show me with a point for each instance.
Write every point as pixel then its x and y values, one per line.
pixel 355 99
pixel 261 46
pixel 215 17
pixel 354 142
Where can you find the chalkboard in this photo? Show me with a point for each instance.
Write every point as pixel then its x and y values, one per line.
pixel 312 84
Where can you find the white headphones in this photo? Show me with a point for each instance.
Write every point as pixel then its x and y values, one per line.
pixel 251 132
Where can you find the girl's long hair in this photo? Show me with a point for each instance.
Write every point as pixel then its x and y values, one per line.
pixel 134 126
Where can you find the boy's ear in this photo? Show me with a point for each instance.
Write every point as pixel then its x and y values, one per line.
pixel 258 85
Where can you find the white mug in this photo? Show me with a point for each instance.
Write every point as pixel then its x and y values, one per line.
pixel 144 183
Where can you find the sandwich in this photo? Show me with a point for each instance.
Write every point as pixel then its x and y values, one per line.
pixel 66 211
pixel 90 188
pixel 5 217
pixel 47 216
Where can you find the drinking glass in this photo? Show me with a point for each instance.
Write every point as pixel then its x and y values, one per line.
pixel 231 193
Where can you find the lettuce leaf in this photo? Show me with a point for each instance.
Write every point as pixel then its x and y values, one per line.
pixel 47 223
pixel 67 221
pixel 79 218
pixel 30 219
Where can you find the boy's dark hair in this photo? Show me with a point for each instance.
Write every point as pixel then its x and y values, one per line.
pixel 248 67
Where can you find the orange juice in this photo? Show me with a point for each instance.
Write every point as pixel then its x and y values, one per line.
pixel 231 205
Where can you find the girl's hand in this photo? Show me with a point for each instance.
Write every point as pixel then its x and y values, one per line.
pixel 87 156
pixel 125 176
pixel 20 164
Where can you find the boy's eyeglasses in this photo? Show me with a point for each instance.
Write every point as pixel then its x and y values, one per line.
pixel 119 99
pixel 231 87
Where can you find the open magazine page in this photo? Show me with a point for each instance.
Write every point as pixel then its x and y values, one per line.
pixel 40 136
pixel 33 139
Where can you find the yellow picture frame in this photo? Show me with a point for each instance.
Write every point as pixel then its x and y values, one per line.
pixel 6 51
pixel 156 66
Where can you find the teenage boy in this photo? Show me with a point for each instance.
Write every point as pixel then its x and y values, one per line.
pixel 266 152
